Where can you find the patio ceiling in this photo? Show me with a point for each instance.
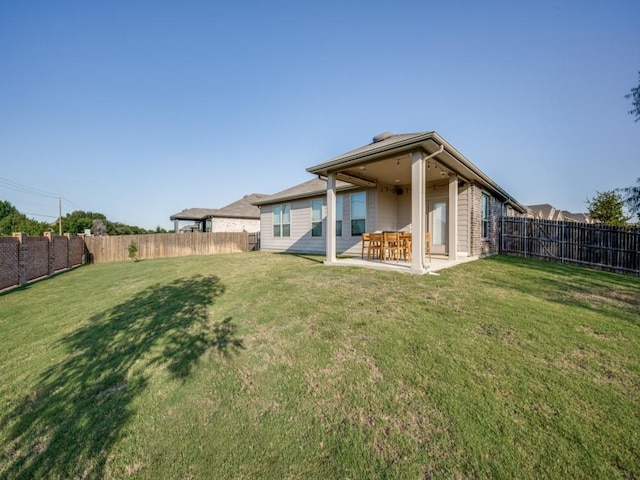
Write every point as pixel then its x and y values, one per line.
pixel 395 170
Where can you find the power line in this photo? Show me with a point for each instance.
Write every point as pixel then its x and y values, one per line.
pixel 39 215
pixel 18 187
pixel 71 203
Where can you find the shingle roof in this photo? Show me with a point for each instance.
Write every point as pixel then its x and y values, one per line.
pixel 194 214
pixel 390 140
pixel 576 217
pixel 544 210
pixel 310 188
pixel 243 208
pixel 387 144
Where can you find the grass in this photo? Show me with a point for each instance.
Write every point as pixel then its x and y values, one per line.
pixel 275 366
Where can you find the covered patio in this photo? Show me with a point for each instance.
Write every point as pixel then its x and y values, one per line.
pixel 435 189
pixel 431 266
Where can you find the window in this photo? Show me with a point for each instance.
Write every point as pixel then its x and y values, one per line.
pixel 282 220
pixel 485 215
pixel 358 213
pixel 316 218
pixel 339 216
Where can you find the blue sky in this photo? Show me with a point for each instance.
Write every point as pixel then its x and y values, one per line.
pixel 140 109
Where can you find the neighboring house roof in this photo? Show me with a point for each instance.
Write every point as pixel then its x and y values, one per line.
pixel 576 217
pixel 387 145
pixel 310 188
pixel 243 208
pixel 194 214
pixel 543 211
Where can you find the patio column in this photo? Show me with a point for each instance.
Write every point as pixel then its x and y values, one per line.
pixel 418 205
pixel 452 217
pixel 331 218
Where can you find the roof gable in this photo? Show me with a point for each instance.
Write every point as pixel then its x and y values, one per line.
pixel 310 188
pixel 388 146
pixel 194 214
pixel 243 208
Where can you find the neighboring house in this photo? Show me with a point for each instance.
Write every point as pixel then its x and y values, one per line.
pixel 544 212
pixel 411 182
pixel 548 212
pixel 241 215
pixel 199 218
pixel 576 217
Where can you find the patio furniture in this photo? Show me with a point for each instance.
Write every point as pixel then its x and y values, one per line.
pixel 366 244
pixel 391 245
pixel 375 245
pixel 427 243
pixel 405 246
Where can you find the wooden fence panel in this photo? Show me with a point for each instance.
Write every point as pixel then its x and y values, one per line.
pixel 598 246
pixel 161 245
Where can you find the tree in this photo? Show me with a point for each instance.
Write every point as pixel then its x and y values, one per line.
pixel 78 221
pixel 632 198
pixel 606 207
pixel 133 251
pixel 98 227
pixel 634 95
pixel 11 220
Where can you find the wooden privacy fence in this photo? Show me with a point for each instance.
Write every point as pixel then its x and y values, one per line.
pixel 24 258
pixel 161 245
pixel 598 246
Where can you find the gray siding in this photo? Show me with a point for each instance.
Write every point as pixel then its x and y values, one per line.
pixel 301 239
pixel 464 219
pixel 386 209
pixel 404 210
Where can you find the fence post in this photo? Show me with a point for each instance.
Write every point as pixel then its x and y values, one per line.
pixel 22 257
pixel 502 234
pixel 525 237
pixel 51 251
pixel 564 240
pixel 638 252
pixel 69 256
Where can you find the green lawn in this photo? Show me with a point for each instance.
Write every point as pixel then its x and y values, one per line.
pixel 274 366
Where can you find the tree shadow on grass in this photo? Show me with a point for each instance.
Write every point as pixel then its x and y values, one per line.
pixel 66 426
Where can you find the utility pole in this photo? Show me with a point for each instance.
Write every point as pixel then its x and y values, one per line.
pixel 60 216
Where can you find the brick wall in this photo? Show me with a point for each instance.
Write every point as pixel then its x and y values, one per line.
pixel 24 258
pixel 60 253
pixel 35 254
pixel 9 256
pixel 224 225
pixel 490 244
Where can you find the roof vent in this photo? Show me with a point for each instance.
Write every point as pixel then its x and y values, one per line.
pixel 382 136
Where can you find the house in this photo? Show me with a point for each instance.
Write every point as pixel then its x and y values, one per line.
pixel 241 215
pixel 548 212
pixel 414 182
pixel 544 211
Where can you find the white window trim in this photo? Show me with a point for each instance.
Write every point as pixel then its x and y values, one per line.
pixel 316 201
